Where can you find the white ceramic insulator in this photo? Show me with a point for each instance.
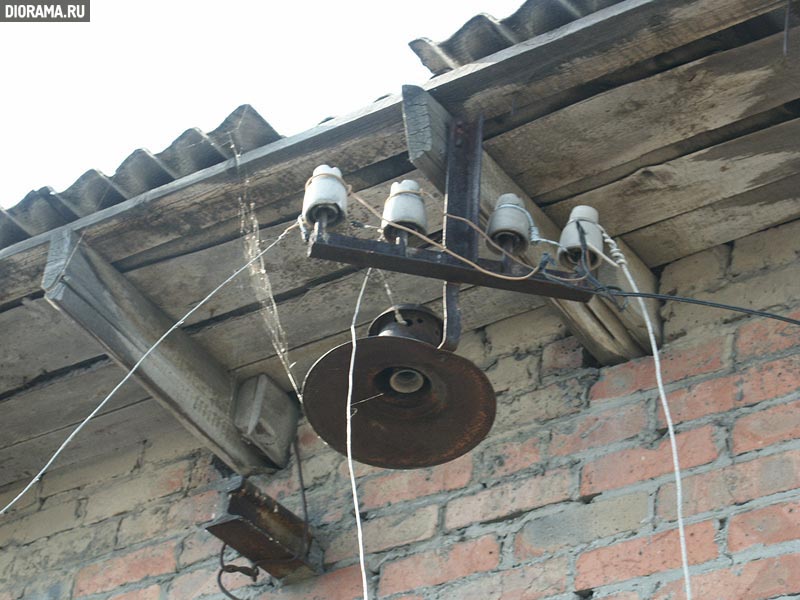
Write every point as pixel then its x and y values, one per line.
pixel 569 255
pixel 405 207
pixel 510 222
pixel 325 193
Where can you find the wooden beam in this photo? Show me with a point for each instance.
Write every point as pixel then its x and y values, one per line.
pixel 179 373
pixel 604 331
pixel 591 47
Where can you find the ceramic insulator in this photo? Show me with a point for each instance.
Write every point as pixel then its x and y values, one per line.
pixel 326 193
pixel 510 223
pixel 569 255
pixel 405 207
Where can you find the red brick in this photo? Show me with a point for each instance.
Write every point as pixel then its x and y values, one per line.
pixel 765 578
pixel 508 499
pixel 766 336
pixel 544 579
pixel 439 566
pixel 767 427
pixel 398 486
pixel 625 467
pixel 676 364
pixel 706 398
pixel 643 556
pixel 562 355
pixel 734 484
pixel 600 429
pixel 149 593
pixel 127 568
pixel 505 458
pixel 203 583
pixel 771 380
pixel 195 510
pixel 386 532
pixel 343 584
pixel 198 546
pixel 770 525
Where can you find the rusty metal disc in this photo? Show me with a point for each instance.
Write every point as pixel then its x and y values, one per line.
pixel 413 405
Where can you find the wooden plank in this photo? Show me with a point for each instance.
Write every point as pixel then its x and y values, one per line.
pixel 181 375
pixel 718 223
pixel 427 123
pixel 664 191
pixel 611 135
pixel 586 49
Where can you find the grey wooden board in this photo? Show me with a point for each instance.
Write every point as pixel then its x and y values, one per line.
pixel 718 223
pixel 611 135
pixel 35 339
pixel 656 193
pixel 596 45
pixel 105 435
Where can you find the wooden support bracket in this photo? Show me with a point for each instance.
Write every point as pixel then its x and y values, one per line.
pixel 609 334
pixel 180 374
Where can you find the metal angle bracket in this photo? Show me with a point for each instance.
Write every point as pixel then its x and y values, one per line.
pixel 268 534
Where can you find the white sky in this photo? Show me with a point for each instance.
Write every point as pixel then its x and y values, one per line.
pixel 85 95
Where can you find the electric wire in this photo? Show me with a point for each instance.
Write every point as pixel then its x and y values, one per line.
pixel 138 363
pixel 620 259
pixel 349 436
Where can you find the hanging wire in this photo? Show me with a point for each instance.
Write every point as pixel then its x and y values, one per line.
pixel 349 434
pixel 138 363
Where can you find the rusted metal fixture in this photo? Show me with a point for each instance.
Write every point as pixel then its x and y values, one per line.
pixel 414 405
pixel 265 532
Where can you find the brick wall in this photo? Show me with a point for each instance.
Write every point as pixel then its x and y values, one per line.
pixel 570 497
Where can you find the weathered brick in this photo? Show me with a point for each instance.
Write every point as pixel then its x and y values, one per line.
pixel 398 486
pixel 514 374
pixel 710 397
pixel 524 332
pixel 555 400
pixel 125 568
pixel 198 546
pixel 508 457
pixel 383 533
pixel 508 499
pixel 645 555
pixel 152 592
pixel 74 545
pixel 56 515
pixel 143 525
pixel 100 469
pixel 561 355
pixel 580 523
pixel 766 249
pixel 203 582
pixel 625 467
pixel 439 566
pixel 9 492
pixel 767 427
pixel 770 525
pixel 316 469
pixel 343 584
pixel 700 271
pixel 771 380
pixel 124 496
pixel 764 578
pixel 763 337
pixel 167 448
pixel 734 484
pixel 473 347
pixel 195 510
pixel 598 429
pixel 543 579
pixel 677 363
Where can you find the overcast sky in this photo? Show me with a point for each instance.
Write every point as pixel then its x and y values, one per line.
pixel 84 95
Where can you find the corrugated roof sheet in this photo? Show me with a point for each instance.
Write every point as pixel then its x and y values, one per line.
pixel 483 35
pixel 44 209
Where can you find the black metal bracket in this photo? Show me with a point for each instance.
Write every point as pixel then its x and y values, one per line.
pixel 462 199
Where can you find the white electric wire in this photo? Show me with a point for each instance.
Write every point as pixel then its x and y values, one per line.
pixel 619 258
pixel 349 417
pixel 136 366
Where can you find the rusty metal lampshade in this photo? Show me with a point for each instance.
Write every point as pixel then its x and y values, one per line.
pixel 413 404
